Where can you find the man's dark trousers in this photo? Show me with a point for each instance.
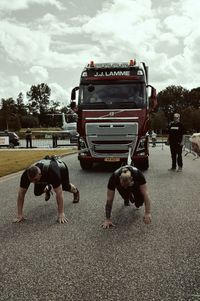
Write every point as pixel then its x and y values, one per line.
pixel 176 153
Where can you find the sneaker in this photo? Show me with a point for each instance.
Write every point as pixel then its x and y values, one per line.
pixel 126 203
pixel 172 169
pixel 48 192
pixel 76 197
pixel 179 169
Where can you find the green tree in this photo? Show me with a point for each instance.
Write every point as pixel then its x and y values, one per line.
pixel 191 119
pixel 55 105
pixel 53 119
pixel 64 110
pixel 21 108
pixel 158 121
pixel 196 120
pixel 194 98
pixel 38 97
pixel 29 121
pixel 8 108
pixel 172 99
pixel 14 122
pixel 186 118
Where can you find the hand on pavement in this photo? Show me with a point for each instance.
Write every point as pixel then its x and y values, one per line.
pixel 107 224
pixel 62 219
pixel 147 218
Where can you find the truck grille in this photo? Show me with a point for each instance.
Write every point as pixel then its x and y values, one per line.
pixel 111 139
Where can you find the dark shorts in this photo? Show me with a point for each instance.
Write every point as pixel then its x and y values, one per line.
pixel 135 191
pixel 39 188
pixel 65 177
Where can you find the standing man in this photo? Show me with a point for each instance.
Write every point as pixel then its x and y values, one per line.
pixel 175 140
pixel 46 174
pixel 131 185
pixel 28 135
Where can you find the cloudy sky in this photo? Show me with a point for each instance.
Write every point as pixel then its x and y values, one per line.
pixel 52 40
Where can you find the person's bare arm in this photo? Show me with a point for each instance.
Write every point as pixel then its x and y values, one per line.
pixel 147 204
pixel 20 205
pixel 108 208
pixel 60 202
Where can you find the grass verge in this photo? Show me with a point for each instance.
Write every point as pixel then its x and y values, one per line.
pixel 15 160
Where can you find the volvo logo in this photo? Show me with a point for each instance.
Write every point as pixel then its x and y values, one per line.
pixel 111 114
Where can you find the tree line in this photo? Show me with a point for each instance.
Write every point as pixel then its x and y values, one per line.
pixel 40 111
pixel 176 99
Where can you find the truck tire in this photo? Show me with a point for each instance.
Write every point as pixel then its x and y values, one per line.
pixel 142 164
pixel 86 165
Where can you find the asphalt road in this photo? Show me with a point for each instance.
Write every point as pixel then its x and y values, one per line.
pixel 42 260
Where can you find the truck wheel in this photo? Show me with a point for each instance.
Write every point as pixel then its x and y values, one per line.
pixel 85 165
pixel 142 164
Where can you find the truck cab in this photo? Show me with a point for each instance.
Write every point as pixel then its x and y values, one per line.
pixel 113 113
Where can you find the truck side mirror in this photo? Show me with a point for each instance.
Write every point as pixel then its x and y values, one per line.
pixel 152 99
pixel 73 93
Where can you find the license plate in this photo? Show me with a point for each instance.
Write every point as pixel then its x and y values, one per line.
pixel 112 159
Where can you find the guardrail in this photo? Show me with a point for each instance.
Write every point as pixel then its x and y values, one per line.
pixel 191 148
pixel 45 139
pixel 47 143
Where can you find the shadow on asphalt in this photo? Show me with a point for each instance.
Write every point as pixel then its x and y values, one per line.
pixel 126 216
pixel 38 219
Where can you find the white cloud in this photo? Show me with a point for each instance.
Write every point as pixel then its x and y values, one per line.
pixel 59 94
pixel 49 24
pixel 39 73
pixel 180 25
pixel 142 29
pixel 122 21
pixel 22 44
pixel 34 47
pixel 24 4
pixel 190 8
pixel 191 52
pixel 11 86
pixel 80 19
pixel 168 43
pixel 123 30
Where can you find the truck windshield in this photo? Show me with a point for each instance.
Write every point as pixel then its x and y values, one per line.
pixel 133 94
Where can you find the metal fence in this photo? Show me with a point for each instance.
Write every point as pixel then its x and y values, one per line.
pixel 47 143
pixel 188 147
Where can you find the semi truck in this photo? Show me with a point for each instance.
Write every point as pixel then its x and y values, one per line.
pixel 114 103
